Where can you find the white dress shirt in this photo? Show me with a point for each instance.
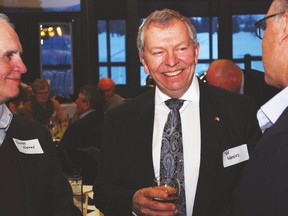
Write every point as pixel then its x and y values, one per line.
pixel 191 134
pixel 268 114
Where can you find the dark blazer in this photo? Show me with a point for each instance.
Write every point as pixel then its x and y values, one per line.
pixel 264 189
pixel 256 87
pixel 46 189
pixel 126 151
pixel 83 133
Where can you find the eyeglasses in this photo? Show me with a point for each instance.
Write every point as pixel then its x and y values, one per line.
pixel 260 26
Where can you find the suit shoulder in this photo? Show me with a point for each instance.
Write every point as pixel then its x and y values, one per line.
pixel 140 102
pixel 217 93
pixel 20 123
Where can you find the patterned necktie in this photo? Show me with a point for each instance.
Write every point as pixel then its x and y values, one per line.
pixel 172 161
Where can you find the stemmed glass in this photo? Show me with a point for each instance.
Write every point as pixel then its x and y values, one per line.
pixel 171 185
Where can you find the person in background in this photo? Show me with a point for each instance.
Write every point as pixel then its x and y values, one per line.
pixel 85 132
pixel 223 73
pixel 263 190
pixel 226 74
pixel 32 182
pixel 213 135
pixel 42 108
pixel 112 99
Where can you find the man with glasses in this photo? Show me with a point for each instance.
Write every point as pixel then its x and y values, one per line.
pixel 264 187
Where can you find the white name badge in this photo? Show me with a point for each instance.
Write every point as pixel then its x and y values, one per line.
pixel 28 146
pixel 235 155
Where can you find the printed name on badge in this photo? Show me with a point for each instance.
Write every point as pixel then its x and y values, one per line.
pixel 28 146
pixel 235 155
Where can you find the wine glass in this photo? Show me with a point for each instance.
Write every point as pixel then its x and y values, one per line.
pixel 171 185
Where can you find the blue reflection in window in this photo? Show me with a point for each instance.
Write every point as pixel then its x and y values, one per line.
pixel 202 25
pixel 60 81
pixel 103 72
pixel 56 50
pixel 56 57
pixel 117 41
pixel 118 74
pixel 244 38
pixel 102 41
pixel 143 76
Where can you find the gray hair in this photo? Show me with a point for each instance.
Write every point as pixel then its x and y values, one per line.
pixel 281 5
pixel 164 17
pixel 6 19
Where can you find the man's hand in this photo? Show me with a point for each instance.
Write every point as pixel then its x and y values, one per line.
pixel 144 202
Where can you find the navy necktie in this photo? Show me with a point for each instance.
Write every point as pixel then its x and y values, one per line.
pixel 171 160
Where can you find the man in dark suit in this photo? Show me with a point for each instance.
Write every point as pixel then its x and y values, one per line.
pixel 226 74
pixel 32 182
pixel 85 132
pixel 219 131
pixel 264 189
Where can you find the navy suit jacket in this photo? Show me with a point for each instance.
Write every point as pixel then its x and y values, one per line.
pixel 47 191
pixel 264 188
pixel 126 151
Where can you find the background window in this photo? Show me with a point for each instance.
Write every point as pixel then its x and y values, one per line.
pixel 56 58
pixel 112 50
pixel 245 41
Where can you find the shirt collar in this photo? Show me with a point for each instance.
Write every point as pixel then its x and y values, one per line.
pixel 5 117
pixel 269 113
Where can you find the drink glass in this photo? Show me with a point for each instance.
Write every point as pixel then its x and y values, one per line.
pixel 81 202
pixel 171 185
pixel 75 181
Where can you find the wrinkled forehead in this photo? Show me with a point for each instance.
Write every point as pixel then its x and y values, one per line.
pixel 7 33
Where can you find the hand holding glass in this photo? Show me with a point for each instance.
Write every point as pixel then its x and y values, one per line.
pixel 172 186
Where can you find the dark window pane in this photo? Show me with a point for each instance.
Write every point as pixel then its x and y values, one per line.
pixel 102 41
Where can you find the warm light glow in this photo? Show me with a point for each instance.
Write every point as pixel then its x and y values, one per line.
pixel 51 33
pixel 59 31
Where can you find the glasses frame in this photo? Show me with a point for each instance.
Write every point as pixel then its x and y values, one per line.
pixel 261 25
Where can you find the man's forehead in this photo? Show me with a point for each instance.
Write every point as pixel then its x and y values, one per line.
pixel 7 33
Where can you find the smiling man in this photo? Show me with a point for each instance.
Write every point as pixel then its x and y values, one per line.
pixel 32 182
pixel 216 126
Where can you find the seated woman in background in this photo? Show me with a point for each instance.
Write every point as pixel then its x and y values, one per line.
pixel 42 108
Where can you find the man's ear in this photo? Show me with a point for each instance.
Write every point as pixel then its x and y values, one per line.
pixel 284 28
pixel 146 70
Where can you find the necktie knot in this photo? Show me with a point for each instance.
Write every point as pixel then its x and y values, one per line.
pixel 174 103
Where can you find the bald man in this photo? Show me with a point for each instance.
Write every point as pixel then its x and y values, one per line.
pixel 227 75
pixel 111 98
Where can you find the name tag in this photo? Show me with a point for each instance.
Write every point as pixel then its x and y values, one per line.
pixel 28 146
pixel 235 155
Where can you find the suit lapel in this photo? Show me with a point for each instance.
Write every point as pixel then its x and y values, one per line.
pixel 144 131
pixel 25 165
